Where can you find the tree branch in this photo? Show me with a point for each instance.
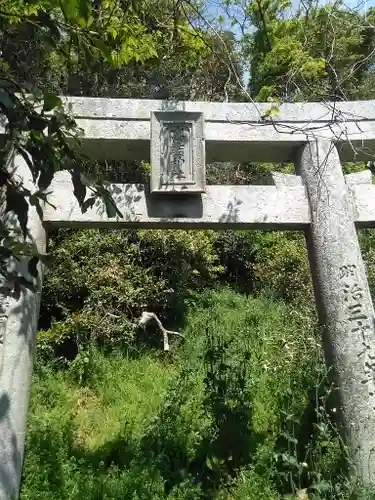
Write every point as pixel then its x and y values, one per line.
pixel 147 317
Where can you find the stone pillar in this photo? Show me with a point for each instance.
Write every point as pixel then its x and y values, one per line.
pixel 343 300
pixel 18 325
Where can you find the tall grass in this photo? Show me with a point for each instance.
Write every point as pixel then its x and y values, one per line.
pixel 238 410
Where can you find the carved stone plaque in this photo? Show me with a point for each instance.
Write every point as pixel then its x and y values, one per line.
pixel 177 152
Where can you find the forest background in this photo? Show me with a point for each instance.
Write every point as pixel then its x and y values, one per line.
pixel 241 408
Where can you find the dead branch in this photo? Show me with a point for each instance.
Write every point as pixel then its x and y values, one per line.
pixel 147 317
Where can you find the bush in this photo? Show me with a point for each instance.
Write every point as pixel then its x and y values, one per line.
pixel 102 280
pixel 274 263
pixel 281 267
pixel 82 441
pixel 241 356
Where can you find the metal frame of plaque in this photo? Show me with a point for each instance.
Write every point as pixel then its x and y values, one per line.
pixel 177 152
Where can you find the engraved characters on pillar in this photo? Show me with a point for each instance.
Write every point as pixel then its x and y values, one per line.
pixel 348 271
pixel 354 297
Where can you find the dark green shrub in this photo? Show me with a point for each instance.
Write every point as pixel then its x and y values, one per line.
pixel 281 267
pixel 102 280
pixel 274 263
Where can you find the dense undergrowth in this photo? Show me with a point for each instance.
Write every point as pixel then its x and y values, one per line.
pixel 241 408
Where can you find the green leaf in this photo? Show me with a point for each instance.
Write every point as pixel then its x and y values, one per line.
pixel 37 123
pixel 289 459
pixel 69 8
pixel 51 101
pixel 321 486
pixel 51 25
pixel 6 84
pixel 87 54
pixel 84 9
pixel 110 206
pixel 102 47
pixel 88 180
pixel 5 100
pixel 79 188
pixel 289 438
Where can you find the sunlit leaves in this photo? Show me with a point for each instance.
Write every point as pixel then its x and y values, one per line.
pixel 133 49
pixel 106 34
pixel 50 101
pixel 312 53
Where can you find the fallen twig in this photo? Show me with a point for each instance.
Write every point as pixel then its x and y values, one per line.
pixel 147 317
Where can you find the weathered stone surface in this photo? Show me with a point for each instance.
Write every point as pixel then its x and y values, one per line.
pixel 343 300
pixel 239 207
pixel 363 177
pixel 100 108
pixel 18 324
pixel 177 152
pixel 363 203
pixel 283 205
pixel 286 180
pixel 120 128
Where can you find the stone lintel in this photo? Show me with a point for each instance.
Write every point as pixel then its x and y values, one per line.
pixel 268 207
pixel 239 132
pixel 139 109
pixel 274 207
pixel 363 177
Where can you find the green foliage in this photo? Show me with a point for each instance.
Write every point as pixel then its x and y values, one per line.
pixel 41 141
pixel 182 422
pixel 241 410
pixel 115 276
pixel 228 400
pixel 98 43
pixel 102 48
pixel 37 128
pixel 367 244
pixel 145 49
pixel 80 440
pixel 318 52
pixel 281 265
pixel 274 263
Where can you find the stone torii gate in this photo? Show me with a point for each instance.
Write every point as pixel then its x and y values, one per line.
pixel 179 138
